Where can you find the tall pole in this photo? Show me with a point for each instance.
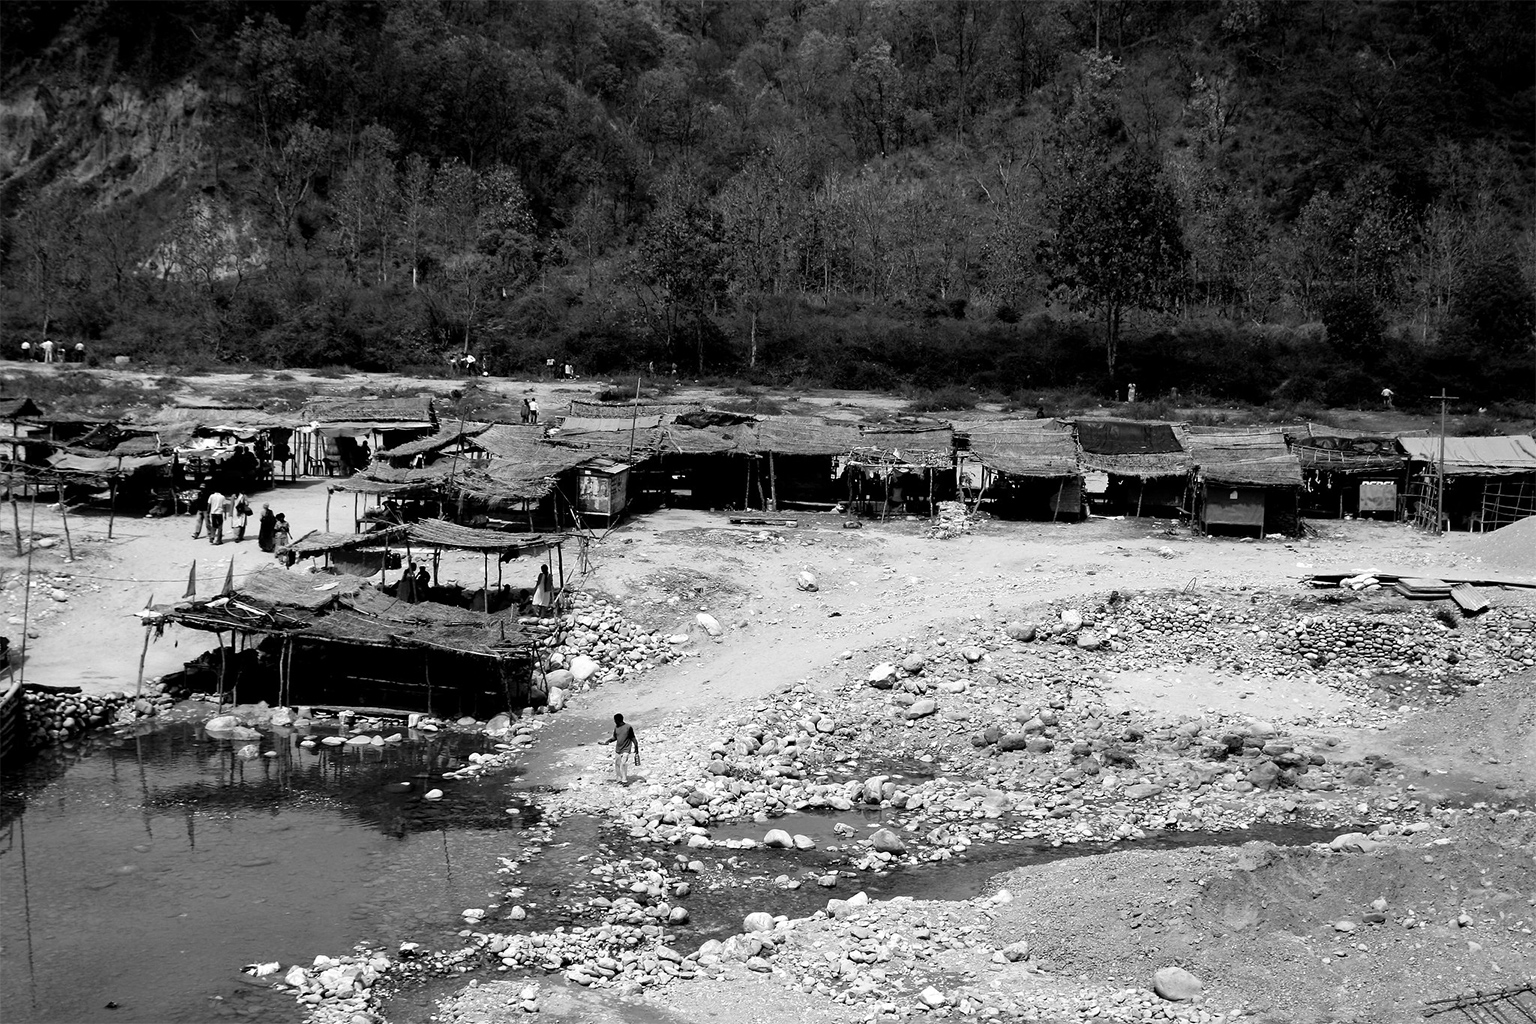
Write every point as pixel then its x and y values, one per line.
pixel 1440 475
pixel 634 419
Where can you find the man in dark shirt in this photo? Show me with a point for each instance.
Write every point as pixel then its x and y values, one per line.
pixel 626 743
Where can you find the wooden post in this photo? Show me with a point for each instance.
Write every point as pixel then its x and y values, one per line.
pixel 384 566
pixel 69 545
pixel 112 508
pixel 560 562
pixel 26 602
pixel 761 500
pixel 219 636
pixel 486 593
pixel 327 510
pixel 143 653
pixel 930 495
pixel 746 491
pixel 889 472
pixel 773 483
pixel 16 517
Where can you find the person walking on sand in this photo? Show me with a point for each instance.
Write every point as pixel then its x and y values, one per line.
pixel 200 506
pixel 242 509
pixel 217 507
pixel 266 528
pixel 626 745
pixel 282 536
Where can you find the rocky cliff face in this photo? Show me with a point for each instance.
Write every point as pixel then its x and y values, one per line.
pixel 114 140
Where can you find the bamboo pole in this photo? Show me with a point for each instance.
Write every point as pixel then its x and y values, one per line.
pixel 69 544
pixel 773 483
pixel 15 516
pixel 143 653
pixel 327 510
pixel 219 636
pixel 26 603
pixel 112 509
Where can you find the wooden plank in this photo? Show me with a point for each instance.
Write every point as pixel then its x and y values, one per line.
pixel 1469 598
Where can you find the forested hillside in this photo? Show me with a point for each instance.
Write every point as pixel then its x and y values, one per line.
pixel 1247 198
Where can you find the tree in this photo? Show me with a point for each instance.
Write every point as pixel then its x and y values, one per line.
pixel 1117 244
pixel 365 202
pixel 684 259
pixel 1354 324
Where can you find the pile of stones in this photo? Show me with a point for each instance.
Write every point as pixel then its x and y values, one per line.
pixel 62 717
pixel 594 643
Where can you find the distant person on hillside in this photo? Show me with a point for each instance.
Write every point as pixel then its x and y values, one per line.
pixel 625 745
pixel 1130 393
pixel 282 536
pixel 1386 398
pixel 533 410
pixel 80 352
pixel 26 350
pixel 523 412
pixel 48 350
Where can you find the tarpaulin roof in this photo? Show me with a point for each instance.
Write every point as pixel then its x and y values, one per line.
pixel 1251 457
pixel 1127 437
pixel 443 534
pixel 104 465
pixel 1023 448
pixel 613 443
pixel 1475 456
pixel 1324 430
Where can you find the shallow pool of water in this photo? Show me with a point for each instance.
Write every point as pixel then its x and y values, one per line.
pixel 144 872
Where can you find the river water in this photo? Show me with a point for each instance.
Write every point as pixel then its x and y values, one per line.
pixel 138 874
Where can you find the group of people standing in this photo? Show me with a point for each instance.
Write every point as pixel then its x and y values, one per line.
pixel 219 511
pixel 49 351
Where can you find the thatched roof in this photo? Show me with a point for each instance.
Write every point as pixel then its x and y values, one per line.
pixel 619 444
pixel 16 408
pixel 216 419
pixel 1243 457
pixel 713 440
pixel 924 447
pixel 798 435
pixel 443 534
pixel 1475 456
pixel 318 542
pixel 1350 454
pixel 1022 448
pixel 512 441
pixel 398 413
pixel 276 588
pixel 446 435
pixel 664 411
pixel 502 480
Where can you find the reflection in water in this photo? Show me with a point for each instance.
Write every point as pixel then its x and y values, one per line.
pixel 144 871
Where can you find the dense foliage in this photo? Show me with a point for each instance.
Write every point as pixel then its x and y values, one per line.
pixel 1250 198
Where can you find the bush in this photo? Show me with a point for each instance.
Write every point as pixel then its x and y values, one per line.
pixel 955 397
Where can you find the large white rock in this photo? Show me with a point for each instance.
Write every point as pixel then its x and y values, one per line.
pixel 1176 984
pixel 887 841
pixel 882 676
pixel 556 700
pixel 499 726
pixel 559 678
pixel 222 723
pixel 583 668
pixel 805 581
pixel 778 839
pixel 758 922
pixel 708 623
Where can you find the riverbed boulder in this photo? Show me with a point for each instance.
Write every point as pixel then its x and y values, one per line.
pixel 1072 619
pixel 708 623
pixel 912 664
pixel 886 841
pixel 778 839
pixel 1024 632
pixel 757 922
pixel 583 668
pixel 1354 842
pixel 883 676
pixel 805 581
pixel 555 701
pixel 921 709
pixel 1016 951
pixel 560 678
pixel 499 726
pixel 222 723
pixel 1176 984
pixel 1013 741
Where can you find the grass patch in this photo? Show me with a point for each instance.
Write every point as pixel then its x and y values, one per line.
pixel 953 398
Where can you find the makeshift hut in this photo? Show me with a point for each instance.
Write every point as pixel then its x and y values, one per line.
pixel 451 438
pixel 1347 472
pixel 1489 482
pixel 895 470
pixel 334 641
pixel 337 436
pixel 1134 467
pixel 1245 478
pixel 1025 469
pixel 804 458
pixel 706 460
